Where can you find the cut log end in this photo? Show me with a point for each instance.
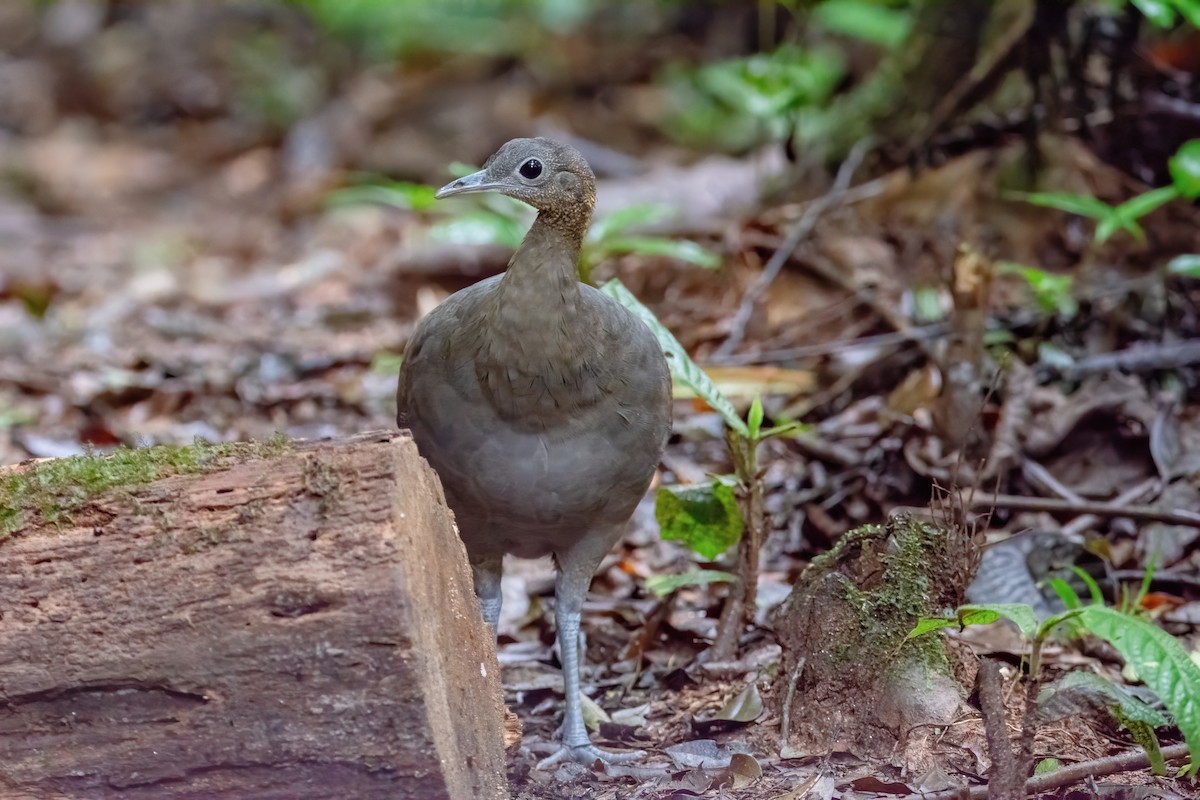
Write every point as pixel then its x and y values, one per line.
pixel 299 627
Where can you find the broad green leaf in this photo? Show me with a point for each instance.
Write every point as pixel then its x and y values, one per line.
pixel 663 585
pixel 1185 169
pixel 683 369
pixel 929 624
pixel 623 218
pixel 1157 11
pixel 1081 204
pixel 1189 9
pixel 705 517
pixel 1020 613
pixel 1186 265
pixel 1046 766
pixel 1161 661
pixel 679 249
pixel 1145 736
pixel 1086 682
pixel 864 20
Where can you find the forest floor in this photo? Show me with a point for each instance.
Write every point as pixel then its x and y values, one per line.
pixel 161 283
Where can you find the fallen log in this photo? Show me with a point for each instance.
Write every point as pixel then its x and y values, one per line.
pixel 300 624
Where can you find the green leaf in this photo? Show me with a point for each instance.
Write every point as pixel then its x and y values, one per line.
pixel 754 419
pixel 1066 593
pixel 663 585
pixel 982 614
pixel 871 22
pixel 783 429
pixel 1144 735
pixel 617 221
pixel 1090 582
pixel 1161 662
pixel 386 363
pixel 929 624
pixel 1046 766
pixel 1081 204
pixel 1189 9
pixel 680 249
pixel 1158 12
pixel 1186 265
pixel 479 227
pixel 1052 293
pixel 1185 169
pixel 705 517
pixel 1084 682
pixel 1116 221
pixel 1141 205
pixel 683 369
pixel 398 194
pixel 1019 613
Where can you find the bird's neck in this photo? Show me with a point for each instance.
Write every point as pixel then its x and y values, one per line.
pixel 542 279
pixel 538 332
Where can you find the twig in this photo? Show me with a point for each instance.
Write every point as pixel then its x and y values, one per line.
pixel 1065 776
pixel 838 346
pixel 1006 779
pixel 1138 358
pixel 785 722
pixel 1077 526
pixel 1106 510
pixel 804 226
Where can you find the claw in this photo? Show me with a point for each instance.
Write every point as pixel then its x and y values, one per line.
pixel 589 754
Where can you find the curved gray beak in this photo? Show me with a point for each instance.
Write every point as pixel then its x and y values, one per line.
pixel 465 185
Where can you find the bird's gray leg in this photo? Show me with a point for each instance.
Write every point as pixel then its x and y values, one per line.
pixel 487 573
pixel 576 567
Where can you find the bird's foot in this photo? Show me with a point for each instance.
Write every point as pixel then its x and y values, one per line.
pixel 589 754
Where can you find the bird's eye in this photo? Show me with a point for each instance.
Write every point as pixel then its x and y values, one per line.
pixel 531 169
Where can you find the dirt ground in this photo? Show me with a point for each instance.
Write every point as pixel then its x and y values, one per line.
pixel 191 275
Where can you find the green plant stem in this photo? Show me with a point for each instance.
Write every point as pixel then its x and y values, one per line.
pixel 743 596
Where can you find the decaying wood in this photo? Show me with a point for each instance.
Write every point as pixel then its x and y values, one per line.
pixel 302 627
pixel 860 684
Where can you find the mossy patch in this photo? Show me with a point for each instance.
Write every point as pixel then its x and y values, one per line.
pixel 53 491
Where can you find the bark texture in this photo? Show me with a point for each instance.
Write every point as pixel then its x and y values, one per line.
pixel 853 679
pixel 302 627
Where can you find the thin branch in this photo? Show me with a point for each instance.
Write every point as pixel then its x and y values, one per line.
pixel 785 721
pixel 1065 776
pixel 1137 358
pixel 1005 777
pixel 829 348
pixel 1106 510
pixel 804 226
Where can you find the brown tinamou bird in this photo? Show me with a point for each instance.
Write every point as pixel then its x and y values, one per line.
pixel 542 404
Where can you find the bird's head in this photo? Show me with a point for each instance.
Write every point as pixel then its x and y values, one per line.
pixel 548 175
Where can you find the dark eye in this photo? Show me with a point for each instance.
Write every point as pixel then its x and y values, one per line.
pixel 531 169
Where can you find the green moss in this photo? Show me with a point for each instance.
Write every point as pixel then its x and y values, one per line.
pixel 53 491
pixel 883 577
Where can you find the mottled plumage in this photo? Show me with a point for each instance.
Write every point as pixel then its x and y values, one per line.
pixel 542 404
